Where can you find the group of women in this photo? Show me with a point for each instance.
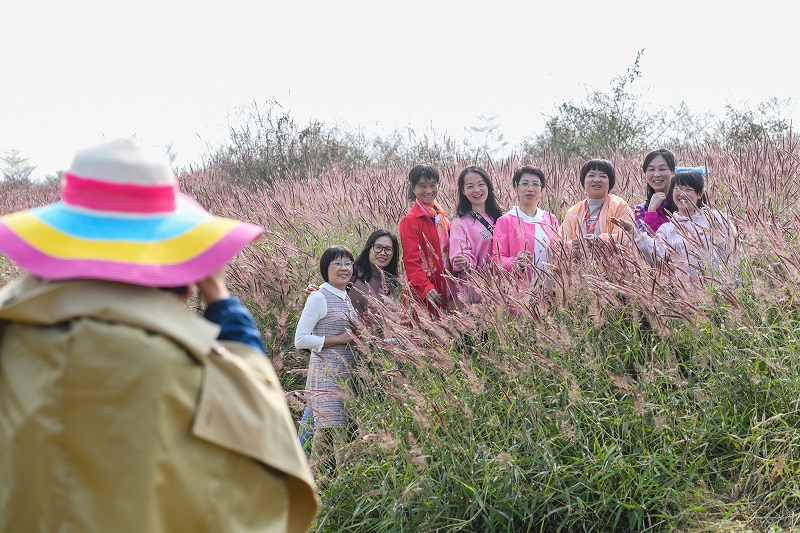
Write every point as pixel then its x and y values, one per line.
pixel 440 257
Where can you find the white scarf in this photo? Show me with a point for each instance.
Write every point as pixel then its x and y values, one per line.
pixel 540 237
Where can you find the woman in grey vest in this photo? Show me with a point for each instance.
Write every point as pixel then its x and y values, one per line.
pixel 324 328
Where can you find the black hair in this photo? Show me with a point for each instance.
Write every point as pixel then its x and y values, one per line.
pixel 362 266
pixel 602 165
pixel 527 169
pixel 669 157
pixel 465 206
pixel 416 174
pixel 330 255
pixel 183 290
pixel 692 179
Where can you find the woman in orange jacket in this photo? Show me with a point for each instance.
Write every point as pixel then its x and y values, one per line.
pixel 590 219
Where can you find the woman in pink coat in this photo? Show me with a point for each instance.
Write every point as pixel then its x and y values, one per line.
pixel 524 234
pixel 471 235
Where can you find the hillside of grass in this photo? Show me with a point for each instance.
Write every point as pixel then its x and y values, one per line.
pixel 611 399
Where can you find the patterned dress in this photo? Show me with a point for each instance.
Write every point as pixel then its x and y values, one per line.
pixel 330 368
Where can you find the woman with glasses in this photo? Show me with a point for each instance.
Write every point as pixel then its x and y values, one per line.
pixel 375 270
pixel 425 234
pixel 524 234
pixel 375 275
pixel 323 328
pixel 472 233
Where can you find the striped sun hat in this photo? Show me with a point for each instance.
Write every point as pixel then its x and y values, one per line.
pixel 122 218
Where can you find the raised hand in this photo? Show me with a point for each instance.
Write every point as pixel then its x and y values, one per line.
pixel 213 287
pixel 657 199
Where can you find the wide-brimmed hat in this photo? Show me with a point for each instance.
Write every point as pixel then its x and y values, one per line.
pixel 122 218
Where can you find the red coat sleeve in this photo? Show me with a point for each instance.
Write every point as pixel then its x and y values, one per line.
pixel 412 240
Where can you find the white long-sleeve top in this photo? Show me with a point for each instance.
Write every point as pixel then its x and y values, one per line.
pixel 705 238
pixel 315 310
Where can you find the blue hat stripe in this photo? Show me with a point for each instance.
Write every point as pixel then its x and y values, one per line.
pixel 137 229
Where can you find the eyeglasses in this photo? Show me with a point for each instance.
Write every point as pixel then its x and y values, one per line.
pixel 530 184
pixel 340 264
pixel 380 249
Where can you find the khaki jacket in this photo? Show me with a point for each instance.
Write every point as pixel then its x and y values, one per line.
pixel 119 411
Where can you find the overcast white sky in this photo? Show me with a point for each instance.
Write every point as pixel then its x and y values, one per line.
pixel 76 72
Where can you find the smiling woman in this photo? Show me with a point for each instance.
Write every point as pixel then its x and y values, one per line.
pixel 525 233
pixel 425 235
pixel 323 329
pixel 375 270
pixel 658 168
pixel 589 219
pixel 471 236
pixel 697 239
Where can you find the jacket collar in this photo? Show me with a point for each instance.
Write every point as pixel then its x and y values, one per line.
pixel 535 219
pixel 417 212
pixel 36 301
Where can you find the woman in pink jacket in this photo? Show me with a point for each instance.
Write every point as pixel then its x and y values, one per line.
pixel 471 234
pixel 524 234
pixel 658 168
pixel 697 240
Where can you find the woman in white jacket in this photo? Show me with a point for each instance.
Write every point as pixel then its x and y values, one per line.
pixel 697 238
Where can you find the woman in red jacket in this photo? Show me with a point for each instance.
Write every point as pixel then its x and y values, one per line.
pixel 425 236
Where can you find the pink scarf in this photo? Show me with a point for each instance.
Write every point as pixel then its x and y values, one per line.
pixel 442 228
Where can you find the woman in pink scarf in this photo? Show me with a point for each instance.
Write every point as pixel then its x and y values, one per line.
pixel 425 236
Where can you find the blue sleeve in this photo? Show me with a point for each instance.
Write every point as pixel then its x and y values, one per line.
pixel 236 322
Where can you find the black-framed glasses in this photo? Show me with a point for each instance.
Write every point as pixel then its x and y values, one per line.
pixel 380 249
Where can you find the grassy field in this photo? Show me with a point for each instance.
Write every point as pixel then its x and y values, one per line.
pixel 618 401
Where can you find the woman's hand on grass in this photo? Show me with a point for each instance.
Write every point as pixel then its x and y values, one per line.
pixel 433 297
pixel 626 225
pixel 459 261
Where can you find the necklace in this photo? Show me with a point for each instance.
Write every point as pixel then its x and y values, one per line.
pixel 591 226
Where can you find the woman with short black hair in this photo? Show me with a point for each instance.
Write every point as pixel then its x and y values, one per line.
pixel 425 235
pixel 589 219
pixel 524 235
pixel 323 328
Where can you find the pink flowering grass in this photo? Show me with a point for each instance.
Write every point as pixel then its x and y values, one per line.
pixel 606 395
pixel 621 397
